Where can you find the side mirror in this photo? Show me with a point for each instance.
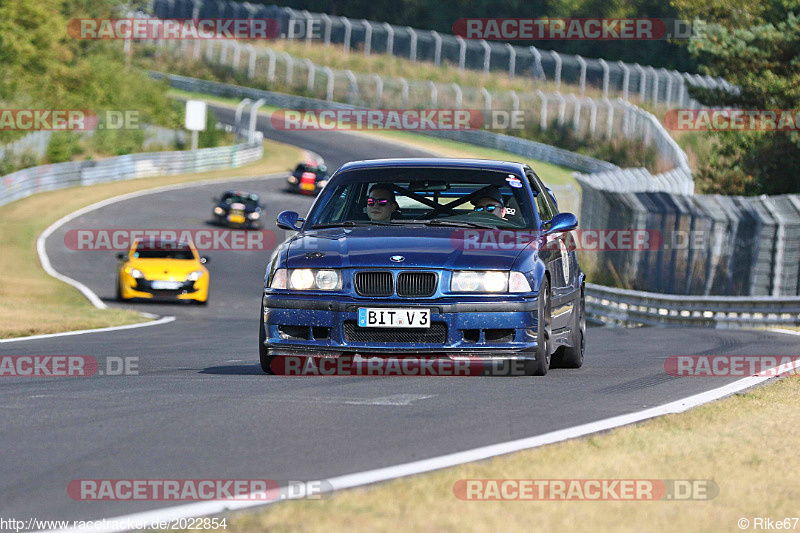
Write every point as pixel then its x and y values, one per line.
pixel 204 259
pixel 289 220
pixel 563 222
pixel 122 257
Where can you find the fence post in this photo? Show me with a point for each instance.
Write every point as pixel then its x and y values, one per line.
pixel 459 95
pixel 289 66
pixel 543 111
pixel 592 116
pixel 682 91
pixel 512 60
pixel 353 86
pixel 655 84
pixel 606 76
pixel 239 109
pixel 538 70
pixel 582 63
pixel 487 56
pixel 251 137
pixel 557 59
pixel 209 50
pixel 378 90
pixel 271 67
pixel 309 25
pixel 251 60
pixel 434 95
pixel 642 81
pixel 576 116
pixel 626 80
pixel 669 86
pixel 609 117
pixel 487 99
pixel 329 83
pixel 348 33
pixel 328 28
pixel 462 52
pixel 237 54
pixel 311 74
pixel 367 36
pixel 404 92
pixel 437 52
pixel 562 108
pixel 514 100
pixel 412 53
pixel 389 38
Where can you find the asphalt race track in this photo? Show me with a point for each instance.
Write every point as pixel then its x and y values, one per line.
pixel 201 408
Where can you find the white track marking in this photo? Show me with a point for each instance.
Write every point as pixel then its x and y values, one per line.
pixel 44 259
pixel 368 477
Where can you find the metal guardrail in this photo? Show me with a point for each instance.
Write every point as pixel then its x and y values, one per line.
pixel 630 79
pixel 515 145
pixel 620 306
pixel 143 165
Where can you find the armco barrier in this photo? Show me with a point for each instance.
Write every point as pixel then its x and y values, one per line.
pixel 516 145
pixel 629 79
pixel 620 306
pixel 144 165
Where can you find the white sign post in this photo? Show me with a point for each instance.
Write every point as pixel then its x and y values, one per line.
pixel 195 118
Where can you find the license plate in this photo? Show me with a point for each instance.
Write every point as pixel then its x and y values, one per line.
pixel 377 317
pixel 165 285
pixel 307 186
pixel 236 219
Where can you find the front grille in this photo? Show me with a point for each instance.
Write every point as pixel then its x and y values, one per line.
pixel 374 283
pixel 416 284
pixel 436 334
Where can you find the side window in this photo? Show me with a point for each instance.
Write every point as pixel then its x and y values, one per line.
pixel 543 201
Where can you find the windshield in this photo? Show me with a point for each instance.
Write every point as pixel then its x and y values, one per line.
pixel 442 196
pixel 250 199
pixel 163 250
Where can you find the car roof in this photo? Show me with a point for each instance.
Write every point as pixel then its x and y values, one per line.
pixel 436 162
pixel 239 193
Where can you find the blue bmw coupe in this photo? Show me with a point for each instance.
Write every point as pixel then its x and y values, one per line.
pixel 436 258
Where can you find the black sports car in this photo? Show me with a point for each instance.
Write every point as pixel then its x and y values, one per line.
pixel 308 178
pixel 238 209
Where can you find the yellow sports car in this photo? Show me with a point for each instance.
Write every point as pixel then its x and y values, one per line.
pixel 163 270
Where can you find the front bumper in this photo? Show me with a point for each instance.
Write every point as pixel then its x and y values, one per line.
pixel 188 290
pixel 486 328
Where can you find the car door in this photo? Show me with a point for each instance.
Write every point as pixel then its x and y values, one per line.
pixel 558 257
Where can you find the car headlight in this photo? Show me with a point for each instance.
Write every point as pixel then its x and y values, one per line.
pixel 219 211
pixel 324 279
pixel 135 273
pixel 292 180
pixel 479 281
pixel 194 276
pixel 254 215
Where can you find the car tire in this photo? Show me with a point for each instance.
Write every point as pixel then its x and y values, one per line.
pixel 572 356
pixel 263 351
pixel 541 364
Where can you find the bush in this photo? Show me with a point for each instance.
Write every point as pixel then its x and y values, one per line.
pixel 63 146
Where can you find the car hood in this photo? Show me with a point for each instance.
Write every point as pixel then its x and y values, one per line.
pixel 165 268
pixel 373 246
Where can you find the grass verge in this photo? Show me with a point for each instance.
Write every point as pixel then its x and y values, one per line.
pixel 31 302
pixel 746 444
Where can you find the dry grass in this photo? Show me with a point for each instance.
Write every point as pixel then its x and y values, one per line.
pixel 31 302
pixel 746 444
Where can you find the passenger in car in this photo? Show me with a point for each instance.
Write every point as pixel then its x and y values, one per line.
pixel 490 201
